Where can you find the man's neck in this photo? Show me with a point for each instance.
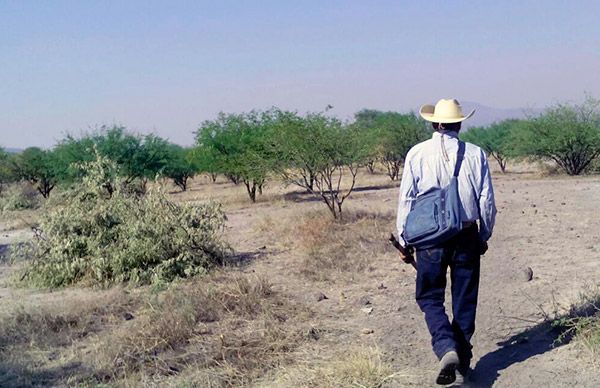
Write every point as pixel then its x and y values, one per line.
pixel 447 132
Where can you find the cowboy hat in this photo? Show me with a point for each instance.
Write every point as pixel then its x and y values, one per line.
pixel 445 112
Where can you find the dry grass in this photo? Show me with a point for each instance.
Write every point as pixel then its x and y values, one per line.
pixel 37 342
pixel 221 330
pixel 341 247
pixel 56 324
pixel 356 367
pixel 229 330
pixel 583 322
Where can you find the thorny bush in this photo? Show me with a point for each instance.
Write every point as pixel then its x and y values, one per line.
pixel 103 234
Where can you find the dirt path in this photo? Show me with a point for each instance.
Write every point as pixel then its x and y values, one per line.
pixel 550 225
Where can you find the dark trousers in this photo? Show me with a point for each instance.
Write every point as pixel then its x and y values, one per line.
pixel 461 255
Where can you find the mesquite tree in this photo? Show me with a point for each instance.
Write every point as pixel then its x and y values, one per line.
pixel 181 165
pixel 138 158
pixel 567 134
pixel 389 136
pixel 39 167
pixel 240 146
pixel 332 151
pixel 495 140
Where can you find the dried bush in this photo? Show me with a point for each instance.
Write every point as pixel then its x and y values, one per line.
pixel 18 197
pixel 102 234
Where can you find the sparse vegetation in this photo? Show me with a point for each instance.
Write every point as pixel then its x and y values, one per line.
pixel 110 223
pixel 223 330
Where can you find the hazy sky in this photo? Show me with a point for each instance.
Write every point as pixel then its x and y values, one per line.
pixel 165 66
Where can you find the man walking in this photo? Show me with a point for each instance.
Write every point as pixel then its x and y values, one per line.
pixel 430 165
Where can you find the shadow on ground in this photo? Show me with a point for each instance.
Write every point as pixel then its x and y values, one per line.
pixel 243 259
pixel 16 376
pixel 305 196
pixel 4 252
pixel 534 341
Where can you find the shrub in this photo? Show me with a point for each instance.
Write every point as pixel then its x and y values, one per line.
pixel 103 236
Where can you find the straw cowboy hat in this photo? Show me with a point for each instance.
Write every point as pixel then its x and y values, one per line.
pixel 445 112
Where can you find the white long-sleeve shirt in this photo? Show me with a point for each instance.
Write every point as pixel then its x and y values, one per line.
pixel 426 167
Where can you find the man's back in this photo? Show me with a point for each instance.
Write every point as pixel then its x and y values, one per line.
pixel 430 164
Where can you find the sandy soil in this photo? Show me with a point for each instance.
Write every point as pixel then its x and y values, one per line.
pixel 548 224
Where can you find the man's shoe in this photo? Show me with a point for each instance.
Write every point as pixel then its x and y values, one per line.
pixel 448 365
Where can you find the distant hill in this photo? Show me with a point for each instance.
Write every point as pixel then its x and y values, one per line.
pixel 12 150
pixel 485 115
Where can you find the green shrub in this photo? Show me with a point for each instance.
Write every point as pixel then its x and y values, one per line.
pixel 102 234
pixel 18 197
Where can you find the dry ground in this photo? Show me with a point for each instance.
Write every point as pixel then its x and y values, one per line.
pixel 368 330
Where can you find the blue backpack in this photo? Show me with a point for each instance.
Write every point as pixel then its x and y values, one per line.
pixel 435 215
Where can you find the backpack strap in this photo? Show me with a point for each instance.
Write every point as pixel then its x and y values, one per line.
pixel 459 157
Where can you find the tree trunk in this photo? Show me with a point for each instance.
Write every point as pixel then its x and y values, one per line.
pixel 251 188
pixel 181 182
pixel 371 166
pixel 44 188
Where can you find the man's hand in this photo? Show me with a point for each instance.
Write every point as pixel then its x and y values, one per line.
pixel 405 258
pixel 483 247
pixel 405 253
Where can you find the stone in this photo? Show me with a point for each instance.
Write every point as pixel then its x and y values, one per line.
pixel 527 274
pixel 319 296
